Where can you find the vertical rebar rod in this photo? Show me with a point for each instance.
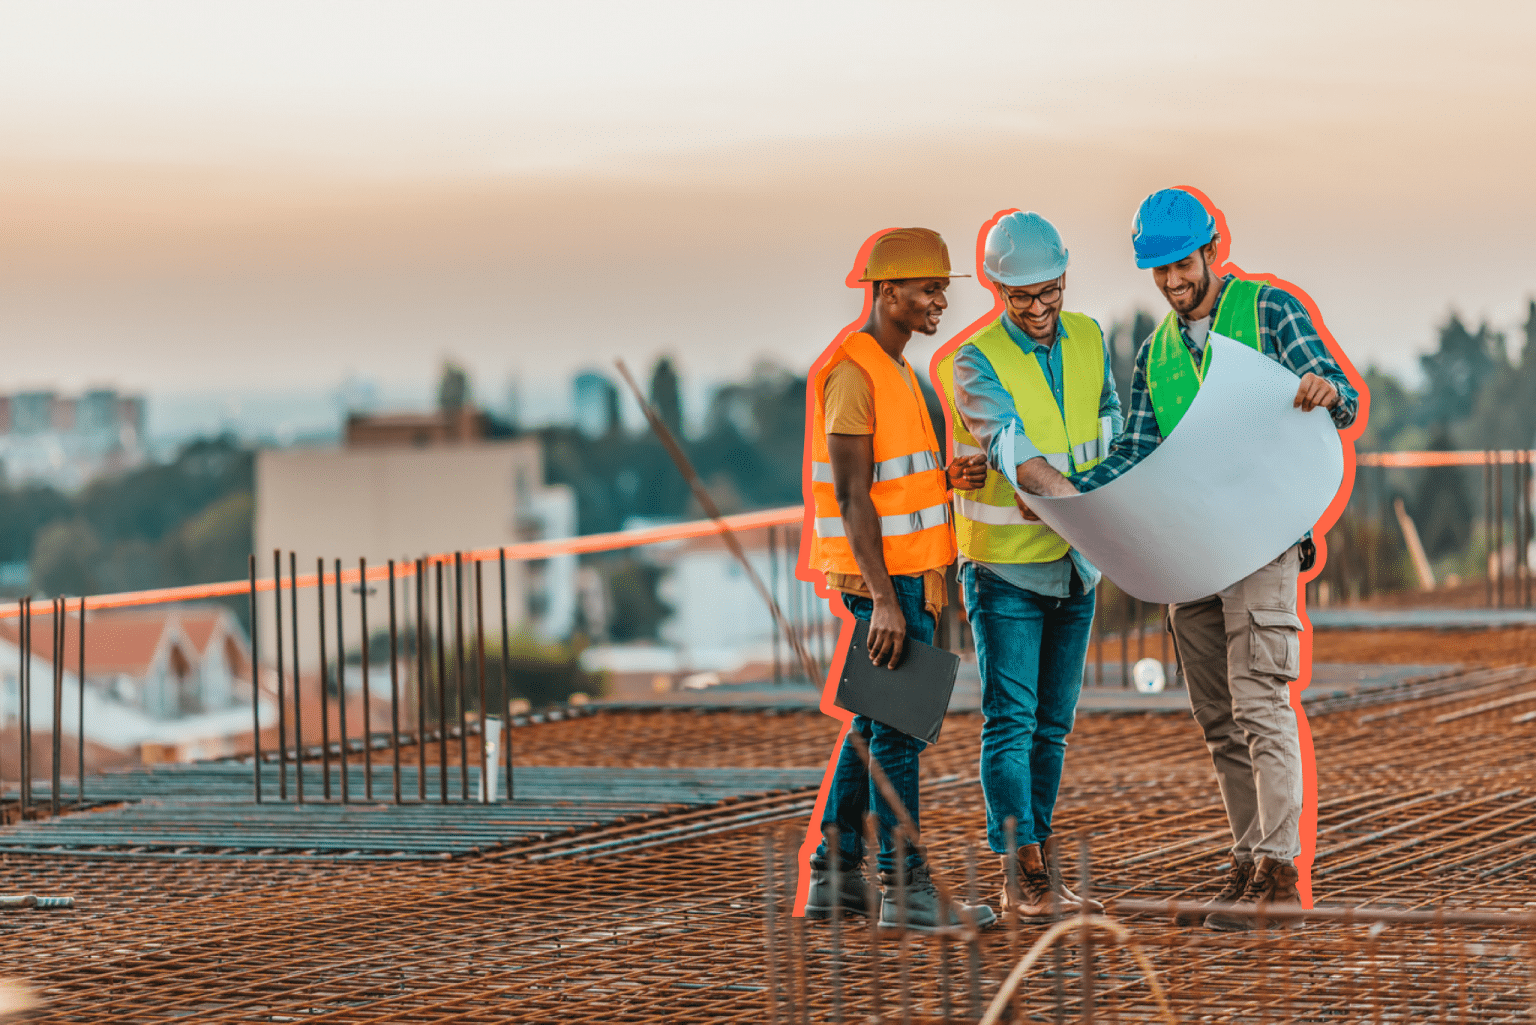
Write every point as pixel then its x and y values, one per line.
pixel 362 604
pixel 1488 524
pixel 1098 634
pixel 341 687
pixel 1125 640
pixel 1141 629
pixel 80 715
pixel 1085 877
pixel 506 675
pixel 421 679
pixel 24 710
pixel 325 690
pixel 1163 656
pixel 442 690
pixel 394 681
pixel 1498 524
pixel 282 683
pixel 770 923
pixel 59 607
pixel 773 589
pixel 1522 471
pixel 255 688
pixel 795 929
pixel 872 901
pixel 904 940
pixel 460 674
pixel 1011 887
pixel 973 948
pixel 835 924
pixel 485 730
pixel 298 705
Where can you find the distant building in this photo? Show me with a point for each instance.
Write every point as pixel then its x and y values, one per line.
pixel 68 442
pixel 596 405
pixel 175 678
pixel 398 430
pixel 392 495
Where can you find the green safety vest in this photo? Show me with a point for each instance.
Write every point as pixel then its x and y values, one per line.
pixel 988 525
pixel 1172 376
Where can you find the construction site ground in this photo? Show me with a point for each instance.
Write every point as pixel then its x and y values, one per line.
pixel 1426 799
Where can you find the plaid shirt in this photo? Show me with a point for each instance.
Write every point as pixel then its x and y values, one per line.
pixel 1287 336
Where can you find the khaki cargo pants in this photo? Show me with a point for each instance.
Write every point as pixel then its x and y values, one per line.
pixel 1239 650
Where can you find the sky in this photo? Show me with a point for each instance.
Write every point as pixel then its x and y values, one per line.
pixel 279 197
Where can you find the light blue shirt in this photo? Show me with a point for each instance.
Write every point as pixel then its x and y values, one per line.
pixel 988 410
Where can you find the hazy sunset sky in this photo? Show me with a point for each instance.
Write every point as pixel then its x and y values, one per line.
pixel 231 195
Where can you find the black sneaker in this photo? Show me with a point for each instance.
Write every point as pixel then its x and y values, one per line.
pixel 852 890
pixel 922 905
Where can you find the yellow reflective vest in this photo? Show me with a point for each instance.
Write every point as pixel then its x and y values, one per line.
pixel 988 525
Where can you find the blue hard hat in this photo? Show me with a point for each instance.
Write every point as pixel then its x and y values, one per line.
pixel 1024 249
pixel 1169 225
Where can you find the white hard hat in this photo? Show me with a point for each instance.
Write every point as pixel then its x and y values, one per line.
pixel 1024 249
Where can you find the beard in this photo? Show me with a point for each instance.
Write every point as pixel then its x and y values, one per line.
pixel 1196 296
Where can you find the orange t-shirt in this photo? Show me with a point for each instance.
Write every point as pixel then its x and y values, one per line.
pixel 848 401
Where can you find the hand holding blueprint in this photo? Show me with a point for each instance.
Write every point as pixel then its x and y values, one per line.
pixel 1244 475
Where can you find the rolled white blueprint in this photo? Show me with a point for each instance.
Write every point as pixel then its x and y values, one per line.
pixel 1243 477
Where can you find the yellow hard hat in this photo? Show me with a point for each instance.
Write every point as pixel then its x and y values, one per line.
pixel 908 253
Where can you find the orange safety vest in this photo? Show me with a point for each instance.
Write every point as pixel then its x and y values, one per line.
pixel 910 491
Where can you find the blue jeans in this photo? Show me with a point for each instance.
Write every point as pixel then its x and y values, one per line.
pixel 1031 650
pixel 853 792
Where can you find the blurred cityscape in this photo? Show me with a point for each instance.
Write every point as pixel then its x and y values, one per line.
pixel 92 503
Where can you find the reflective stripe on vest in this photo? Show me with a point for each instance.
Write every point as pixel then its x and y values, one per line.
pixel 1173 379
pixel 890 526
pixel 886 469
pixel 988 525
pixel 909 489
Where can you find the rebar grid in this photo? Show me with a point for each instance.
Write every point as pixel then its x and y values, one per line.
pixel 663 926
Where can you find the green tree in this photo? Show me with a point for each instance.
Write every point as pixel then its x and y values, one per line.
pixel 66 557
pixel 1455 374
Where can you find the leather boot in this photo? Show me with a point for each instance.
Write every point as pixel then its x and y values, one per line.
pixel 1052 856
pixel 922 904
pixel 1232 889
pixel 1035 890
pixel 1273 884
pixel 852 889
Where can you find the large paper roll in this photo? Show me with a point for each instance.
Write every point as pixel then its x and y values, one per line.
pixel 1244 475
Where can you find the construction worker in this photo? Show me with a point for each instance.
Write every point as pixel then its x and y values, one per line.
pixel 1035 382
pixel 883 538
pixel 1239 649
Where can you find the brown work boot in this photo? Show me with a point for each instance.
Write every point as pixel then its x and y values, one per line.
pixel 1273 884
pixel 1052 857
pixel 1035 891
pixel 1232 890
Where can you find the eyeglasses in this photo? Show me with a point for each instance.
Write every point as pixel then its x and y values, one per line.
pixel 1023 300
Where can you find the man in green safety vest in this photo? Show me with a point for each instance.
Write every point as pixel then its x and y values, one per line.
pixel 1032 386
pixel 1238 649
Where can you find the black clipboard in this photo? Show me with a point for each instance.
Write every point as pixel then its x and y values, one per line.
pixel 912 698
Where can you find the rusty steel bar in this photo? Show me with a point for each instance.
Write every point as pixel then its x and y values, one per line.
pixel 506 677
pixel 362 602
pixel 24 708
pixel 325 691
pixel 394 681
pixel 442 691
pixel 485 767
pixel 421 679
pixel 255 689
pixel 1488 524
pixel 773 587
pixel 341 687
pixel 80 714
pixel 282 684
pixel 771 922
pixel 1498 528
pixel 459 673
pixel 835 922
pixel 59 606
pixel 298 704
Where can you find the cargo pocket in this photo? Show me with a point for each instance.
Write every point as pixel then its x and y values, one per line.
pixel 1274 643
